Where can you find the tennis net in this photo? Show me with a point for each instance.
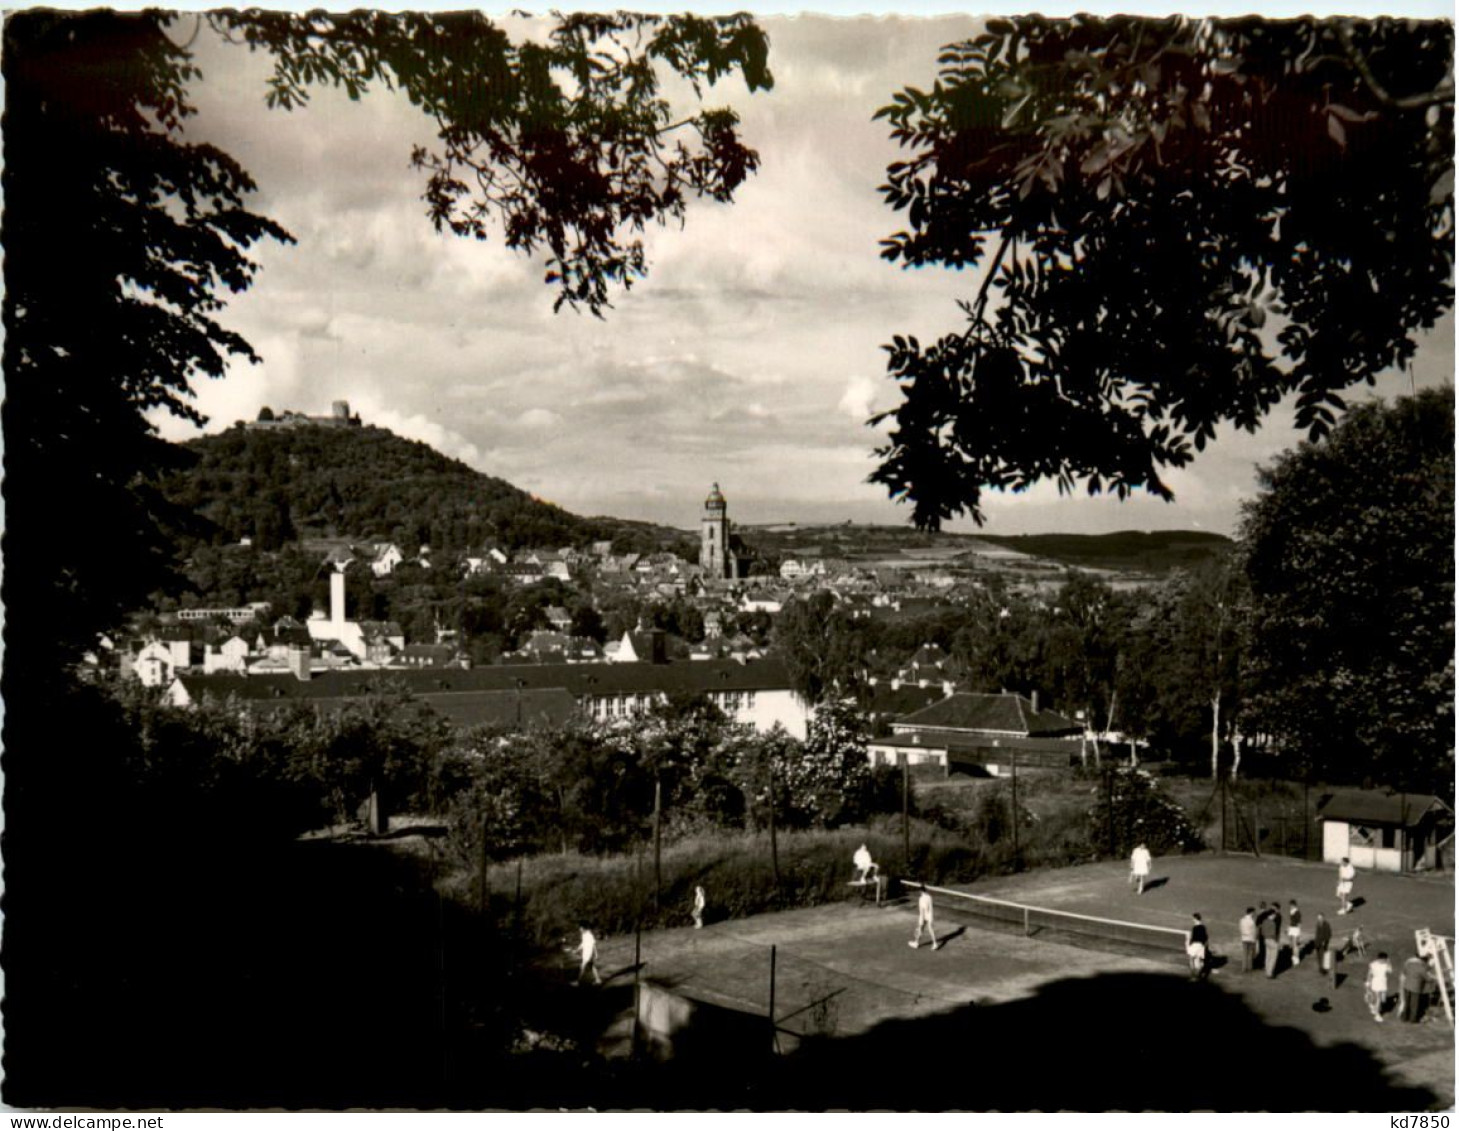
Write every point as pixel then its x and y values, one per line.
pixel 1119 935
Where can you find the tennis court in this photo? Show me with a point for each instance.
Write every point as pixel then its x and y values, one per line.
pixel 845 970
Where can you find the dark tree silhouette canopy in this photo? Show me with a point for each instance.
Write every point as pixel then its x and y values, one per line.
pixel 568 144
pixel 120 239
pixel 123 237
pixel 1178 224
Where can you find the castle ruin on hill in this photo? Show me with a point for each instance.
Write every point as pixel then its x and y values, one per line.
pixel 339 417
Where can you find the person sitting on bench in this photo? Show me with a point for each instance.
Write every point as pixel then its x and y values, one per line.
pixel 866 868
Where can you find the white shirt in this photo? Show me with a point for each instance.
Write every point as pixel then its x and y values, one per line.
pixel 589 946
pixel 924 906
pixel 1378 976
pixel 1140 860
pixel 862 858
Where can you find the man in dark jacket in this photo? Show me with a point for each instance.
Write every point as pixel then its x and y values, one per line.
pixel 1271 935
pixel 1322 945
pixel 1411 988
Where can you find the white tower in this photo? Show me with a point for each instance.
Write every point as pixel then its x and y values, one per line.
pixel 336 600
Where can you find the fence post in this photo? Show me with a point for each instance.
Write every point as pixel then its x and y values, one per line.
pixel 637 999
pixel 1255 829
pixel 517 906
pixel 774 1038
pixel 1109 788
pixel 658 872
pixel 774 848
pixel 1223 815
pixel 1016 865
pixel 906 811
pixel 1306 822
pixel 485 901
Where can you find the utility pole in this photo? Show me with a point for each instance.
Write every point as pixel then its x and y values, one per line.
pixel 658 872
pixel 1016 865
pixel 774 849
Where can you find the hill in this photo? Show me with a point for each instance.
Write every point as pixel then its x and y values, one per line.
pixel 274 486
pixel 1145 551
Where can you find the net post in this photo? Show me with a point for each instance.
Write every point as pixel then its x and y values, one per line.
pixel 1026 930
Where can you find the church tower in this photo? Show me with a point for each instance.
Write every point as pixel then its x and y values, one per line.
pixel 714 555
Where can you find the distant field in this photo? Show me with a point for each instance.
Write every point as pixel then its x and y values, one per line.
pixel 1130 551
pixel 1148 551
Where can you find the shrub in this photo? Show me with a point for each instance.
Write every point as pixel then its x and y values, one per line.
pixel 1130 808
pixel 613 893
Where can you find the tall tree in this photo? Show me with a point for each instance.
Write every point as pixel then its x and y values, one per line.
pixel 823 648
pixel 1179 680
pixel 1177 224
pixel 119 239
pixel 1349 551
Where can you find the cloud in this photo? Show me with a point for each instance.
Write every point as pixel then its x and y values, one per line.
pixel 539 420
pixel 421 428
pixel 858 399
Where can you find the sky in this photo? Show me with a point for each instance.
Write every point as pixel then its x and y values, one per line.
pixel 750 356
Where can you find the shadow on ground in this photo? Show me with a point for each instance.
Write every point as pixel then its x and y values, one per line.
pixel 309 975
pixel 1111 1042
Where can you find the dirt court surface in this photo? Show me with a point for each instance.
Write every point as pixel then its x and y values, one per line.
pixel 845 971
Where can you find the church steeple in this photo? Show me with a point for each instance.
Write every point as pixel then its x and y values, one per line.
pixel 714 552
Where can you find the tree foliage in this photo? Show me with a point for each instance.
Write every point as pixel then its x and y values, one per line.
pixel 1179 683
pixel 568 144
pixel 1177 223
pixel 1131 809
pixel 1349 550
pixel 822 646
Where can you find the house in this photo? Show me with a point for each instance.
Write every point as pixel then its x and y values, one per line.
pixel 982 734
pixel 886 701
pixel 523 573
pixel 1386 830
pixel 240 615
pixel 756 693
pixel 558 617
pixel 383 640
pixel 428 656
pixel 386 557
pixel 639 647
pixel 159 661
pixel 275 642
pixel 231 655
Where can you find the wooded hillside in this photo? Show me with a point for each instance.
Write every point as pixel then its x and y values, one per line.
pixel 368 484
